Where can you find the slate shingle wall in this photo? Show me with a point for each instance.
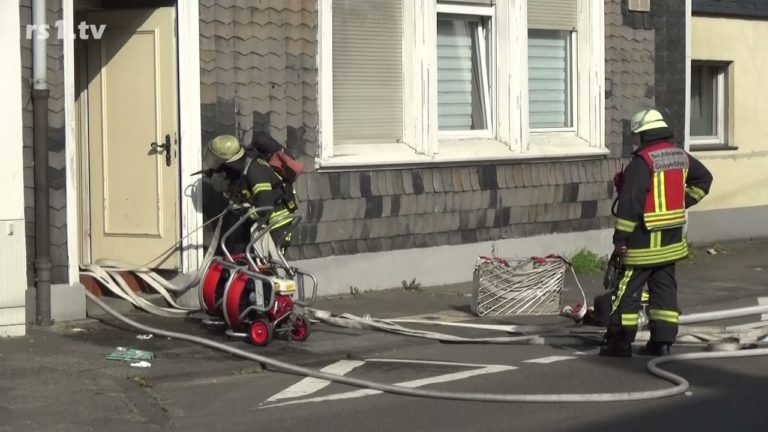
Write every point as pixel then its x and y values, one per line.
pixel 396 209
pixel 258 70
pixel 666 91
pixel 56 154
pixel 669 26
pixel 270 84
pixel 258 73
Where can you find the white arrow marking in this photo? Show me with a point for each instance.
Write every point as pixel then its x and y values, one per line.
pixel 548 360
pixel 311 385
pixel 484 369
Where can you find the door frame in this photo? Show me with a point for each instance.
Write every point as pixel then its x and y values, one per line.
pixel 190 145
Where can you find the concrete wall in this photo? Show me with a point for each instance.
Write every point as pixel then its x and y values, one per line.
pixel 12 245
pixel 739 196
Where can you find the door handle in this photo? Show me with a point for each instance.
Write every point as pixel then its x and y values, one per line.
pixel 166 147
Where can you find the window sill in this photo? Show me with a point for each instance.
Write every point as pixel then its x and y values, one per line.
pixel 711 147
pixel 452 152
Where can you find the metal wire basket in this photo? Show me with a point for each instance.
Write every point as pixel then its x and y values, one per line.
pixel 516 287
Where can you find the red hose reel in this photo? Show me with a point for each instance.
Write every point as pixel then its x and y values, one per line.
pixel 256 297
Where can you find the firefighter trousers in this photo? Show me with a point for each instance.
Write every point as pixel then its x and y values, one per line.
pixel 662 311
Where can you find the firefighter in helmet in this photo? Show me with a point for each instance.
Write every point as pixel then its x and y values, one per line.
pixel 659 184
pixel 253 181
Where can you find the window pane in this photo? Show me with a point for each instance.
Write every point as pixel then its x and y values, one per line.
pixel 703 100
pixel 549 79
pixel 460 84
pixel 367 71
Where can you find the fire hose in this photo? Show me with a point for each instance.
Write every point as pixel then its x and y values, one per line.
pixel 107 268
pixel 681 385
pixel 107 273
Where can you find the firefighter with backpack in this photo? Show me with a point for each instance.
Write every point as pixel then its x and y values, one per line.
pixel 261 177
pixel 659 184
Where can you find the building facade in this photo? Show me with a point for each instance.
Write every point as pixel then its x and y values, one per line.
pixel 12 239
pixel 414 192
pixel 728 101
pixel 433 133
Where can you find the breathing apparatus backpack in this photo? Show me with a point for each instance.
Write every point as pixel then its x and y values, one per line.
pixel 285 165
pixel 287 169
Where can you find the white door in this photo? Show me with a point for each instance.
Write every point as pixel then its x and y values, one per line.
pixel 133 172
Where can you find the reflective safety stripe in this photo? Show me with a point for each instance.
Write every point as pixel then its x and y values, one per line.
pixel 658 197
pixel 655 239
pixel 622 287
pixel 665 219
pixel 625 225
pixel 261 187
pixel 630 319
pixel 695 193
pixel 279 214
pixel 664 215
pixel 656 255
pixel 664 315
pixel 645 296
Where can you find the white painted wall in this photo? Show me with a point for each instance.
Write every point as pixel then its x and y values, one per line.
pixel 441 265
pixel 12 238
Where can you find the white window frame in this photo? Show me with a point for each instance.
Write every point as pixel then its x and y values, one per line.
pixel 720 138
pixel 509 137
pixel 485 12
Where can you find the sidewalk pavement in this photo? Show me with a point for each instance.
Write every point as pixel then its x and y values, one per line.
pixel 61 372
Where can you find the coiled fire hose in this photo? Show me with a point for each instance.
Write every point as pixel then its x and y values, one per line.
pixel 681 384
pixel 107 273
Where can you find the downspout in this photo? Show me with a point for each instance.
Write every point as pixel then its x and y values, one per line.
pixel 40 94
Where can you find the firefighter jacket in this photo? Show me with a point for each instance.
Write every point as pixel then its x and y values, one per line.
pixel 253 181
pixel 659 184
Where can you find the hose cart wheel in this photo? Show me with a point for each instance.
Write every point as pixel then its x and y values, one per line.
pixel 260 332
pixel 301 328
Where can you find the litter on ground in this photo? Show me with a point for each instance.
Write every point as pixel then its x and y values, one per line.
pixel 124 354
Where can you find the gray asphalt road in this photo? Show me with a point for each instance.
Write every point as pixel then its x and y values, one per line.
pixel 726 394
pixel 55 382
pixel 58 379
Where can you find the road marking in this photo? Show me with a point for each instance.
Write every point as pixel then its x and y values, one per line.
pixel 312 385
pixel 548 360
pixel 590 352
pixel 480 370
pixel 431 362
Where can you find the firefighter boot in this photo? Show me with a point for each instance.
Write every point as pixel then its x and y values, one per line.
pixel 657 349
pixel 613 348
